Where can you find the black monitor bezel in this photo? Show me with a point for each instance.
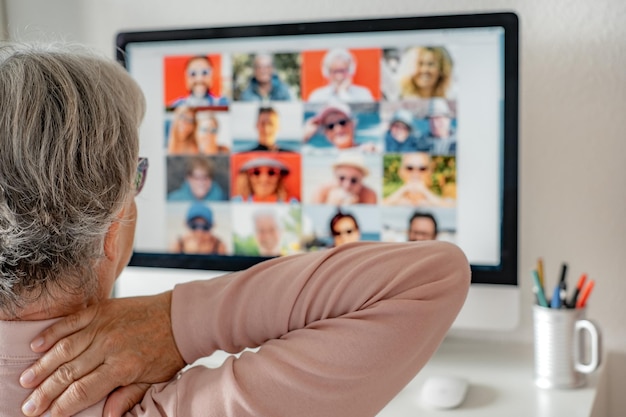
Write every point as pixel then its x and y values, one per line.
pixel 506 272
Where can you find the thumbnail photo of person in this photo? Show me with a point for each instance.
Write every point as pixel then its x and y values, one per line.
pixel 429 73
pixel 196 81
pixel 264 77
pixel 341 74
pixel 344 228
pixel 389 66
pixel 420 126
pixel 340 126
pixel 266 229
pixel 197 178
pixel 402 135
pixel 404 125
pixel 419 72
pixel 417 179
pixel 199 228
pixel 181 137
pixel 266 127
pixel 440 138
pixel 212 134
pixel 400 224
pixel 325 226
pixel 348 178
pixel 264 177
pixel 190 131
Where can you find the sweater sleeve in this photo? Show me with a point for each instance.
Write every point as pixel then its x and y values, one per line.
pixel 340 331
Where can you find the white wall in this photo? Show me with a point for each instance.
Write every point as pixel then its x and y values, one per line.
pixel 3 34
pixel 572 114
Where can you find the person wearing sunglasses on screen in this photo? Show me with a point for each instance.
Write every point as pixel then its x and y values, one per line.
pixel 262 180
pixel 207 134
pixel 415 172
pixel 360 320
pixel 199 239
pixel 199 82
pixel 347 186
pixel 344 229
pixel 336 123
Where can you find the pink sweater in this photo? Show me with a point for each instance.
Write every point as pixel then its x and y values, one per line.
pixel 15 357
pixel 340 332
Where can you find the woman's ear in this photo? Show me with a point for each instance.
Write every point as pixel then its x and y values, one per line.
pixel 111 238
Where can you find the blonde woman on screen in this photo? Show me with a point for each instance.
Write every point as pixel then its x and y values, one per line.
pixel 431 75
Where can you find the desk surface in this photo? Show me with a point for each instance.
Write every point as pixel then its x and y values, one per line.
pixel 501 384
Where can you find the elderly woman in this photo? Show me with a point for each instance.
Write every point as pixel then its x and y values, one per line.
pixel 338 68
pixel 69 172
pixel 360 320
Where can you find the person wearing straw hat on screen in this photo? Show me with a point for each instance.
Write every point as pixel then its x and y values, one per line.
pixel 262 180
pixel 347 186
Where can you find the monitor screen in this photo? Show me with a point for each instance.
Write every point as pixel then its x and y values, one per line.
pixel 273 140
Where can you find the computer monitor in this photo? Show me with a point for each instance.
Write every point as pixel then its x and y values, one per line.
pixel 258 136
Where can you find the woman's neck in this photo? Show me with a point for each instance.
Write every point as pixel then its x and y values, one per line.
pixel 48 308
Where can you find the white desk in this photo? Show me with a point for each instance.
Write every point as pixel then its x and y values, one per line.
pixel 501 384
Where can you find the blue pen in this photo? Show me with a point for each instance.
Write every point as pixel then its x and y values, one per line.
pixel 556 297
pixel 541 298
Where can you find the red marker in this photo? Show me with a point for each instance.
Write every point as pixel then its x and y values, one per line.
pixel 584 294
pixel 579 288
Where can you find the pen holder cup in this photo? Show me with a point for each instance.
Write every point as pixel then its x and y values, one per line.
pixel 563 339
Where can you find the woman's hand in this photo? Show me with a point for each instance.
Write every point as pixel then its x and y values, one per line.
pixel 124 343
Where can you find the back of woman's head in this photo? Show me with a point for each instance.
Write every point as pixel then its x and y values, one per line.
pixel 68 153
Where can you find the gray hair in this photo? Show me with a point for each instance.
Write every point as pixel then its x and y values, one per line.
pixel 68 155
pixel 266 213
pixel 265 55
pixel 338 54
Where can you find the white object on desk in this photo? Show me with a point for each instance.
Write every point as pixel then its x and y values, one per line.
pixel 440 391
pixel 501 384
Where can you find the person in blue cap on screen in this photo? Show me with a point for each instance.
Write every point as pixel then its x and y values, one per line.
pixel 198 238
